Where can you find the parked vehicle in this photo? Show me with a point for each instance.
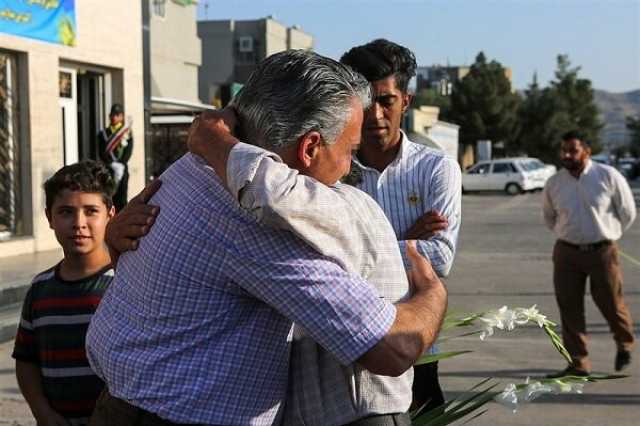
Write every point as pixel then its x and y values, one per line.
pixel 548 170
pixel 628 166
pixel 602 159
pixel 512 175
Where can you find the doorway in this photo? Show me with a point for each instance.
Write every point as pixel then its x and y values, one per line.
pixel 83 98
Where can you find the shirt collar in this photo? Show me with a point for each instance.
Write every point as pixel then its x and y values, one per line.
pixel 402 152
pixel 116 127
pixel 587 167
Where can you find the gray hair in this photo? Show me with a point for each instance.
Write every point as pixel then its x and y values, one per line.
pixel 294 92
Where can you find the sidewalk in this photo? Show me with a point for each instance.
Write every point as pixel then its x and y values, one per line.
pixel 16 273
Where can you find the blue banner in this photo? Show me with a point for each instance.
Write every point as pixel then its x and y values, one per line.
pixel 49 20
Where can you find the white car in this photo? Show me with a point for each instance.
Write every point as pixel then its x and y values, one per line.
pixel 512 175
pixel 548 170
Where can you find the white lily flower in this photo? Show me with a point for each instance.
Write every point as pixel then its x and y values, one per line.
pixel 535 389
pixel 532 314
pixel 508 397
pixel 487 332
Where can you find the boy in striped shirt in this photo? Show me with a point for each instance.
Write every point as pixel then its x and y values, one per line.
pixel 51 365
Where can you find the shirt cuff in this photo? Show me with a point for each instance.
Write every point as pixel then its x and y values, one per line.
pixel 242 165
pixel 377 327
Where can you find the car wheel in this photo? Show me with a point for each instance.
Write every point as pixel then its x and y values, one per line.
pixel 513 189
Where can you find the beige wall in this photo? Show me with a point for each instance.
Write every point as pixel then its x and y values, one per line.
pixel 109 35
pixel 298 39
pixel 175 53
pixel 275 36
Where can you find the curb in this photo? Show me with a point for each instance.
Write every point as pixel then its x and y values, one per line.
pixel 13 293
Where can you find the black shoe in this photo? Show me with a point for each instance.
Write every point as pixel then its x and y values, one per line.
pixel 623 358
pixel 569 371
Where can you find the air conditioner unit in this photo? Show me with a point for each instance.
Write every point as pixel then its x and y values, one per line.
pixel 245 44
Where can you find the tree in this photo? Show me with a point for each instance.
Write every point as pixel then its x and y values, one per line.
pixel 574 104
pixel 483 104
pixel 633 124
pixel 431 97
pixel 546 114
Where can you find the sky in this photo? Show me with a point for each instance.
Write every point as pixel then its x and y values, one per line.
pixel 600 36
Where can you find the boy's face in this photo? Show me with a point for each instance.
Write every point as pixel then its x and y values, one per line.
pixel 79 220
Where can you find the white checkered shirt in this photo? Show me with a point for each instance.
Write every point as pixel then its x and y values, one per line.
pixel 345 224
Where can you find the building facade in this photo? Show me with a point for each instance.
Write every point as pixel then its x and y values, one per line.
pixel 175 58
pixel 54 97
pixel 422 126
pixel 231 49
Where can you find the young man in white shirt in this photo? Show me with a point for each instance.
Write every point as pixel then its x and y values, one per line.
pixel 588 206
pixel 418 188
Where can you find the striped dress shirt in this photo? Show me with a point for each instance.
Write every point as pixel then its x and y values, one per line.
pixel 420 179
pixel 196 326
pixel 344 224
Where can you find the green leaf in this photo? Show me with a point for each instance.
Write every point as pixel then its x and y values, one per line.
pixel 427 359
pixel 556 341
pixel 457 408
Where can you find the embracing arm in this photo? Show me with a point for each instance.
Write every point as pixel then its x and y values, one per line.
pixel 280 197
pixel 344 314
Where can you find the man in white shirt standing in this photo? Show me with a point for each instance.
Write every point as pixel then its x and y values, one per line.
pixel 588 206
pixel 418 188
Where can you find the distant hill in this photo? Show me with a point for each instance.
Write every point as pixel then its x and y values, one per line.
pixel 614 108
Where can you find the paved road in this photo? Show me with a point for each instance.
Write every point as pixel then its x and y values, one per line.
pixel 503 258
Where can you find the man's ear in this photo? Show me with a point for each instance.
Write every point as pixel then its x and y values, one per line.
pixel 111 212
pixel 308 147
pixel 407 99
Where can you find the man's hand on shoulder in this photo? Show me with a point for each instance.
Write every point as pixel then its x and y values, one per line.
pixel 211 137
pixel 132 223
pixel 427 226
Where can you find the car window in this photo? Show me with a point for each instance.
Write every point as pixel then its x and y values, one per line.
pixel 528 166
pixel 504 168
pixel 480 169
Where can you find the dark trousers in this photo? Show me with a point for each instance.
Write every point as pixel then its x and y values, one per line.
pixel 426 387
pixel 111 411
pixel 571 267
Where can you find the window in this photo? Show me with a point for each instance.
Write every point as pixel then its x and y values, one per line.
pixel 245 44
pixel 504 168
pixel 65 84
pixel 159 8
pixel 480 169
pixel 11 219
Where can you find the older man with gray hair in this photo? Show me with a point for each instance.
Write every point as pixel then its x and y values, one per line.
pixel 196 326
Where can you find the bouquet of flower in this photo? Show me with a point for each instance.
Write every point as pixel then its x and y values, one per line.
pixel 472 401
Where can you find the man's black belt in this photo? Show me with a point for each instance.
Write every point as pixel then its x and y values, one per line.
pixel 587 247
